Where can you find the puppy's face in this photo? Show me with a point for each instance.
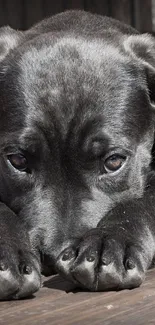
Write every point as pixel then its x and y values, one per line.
pixel 75 134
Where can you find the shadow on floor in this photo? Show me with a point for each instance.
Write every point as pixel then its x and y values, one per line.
pixel 56 282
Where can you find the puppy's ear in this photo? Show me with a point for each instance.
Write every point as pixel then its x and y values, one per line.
pixel 142 49
pixel 9 39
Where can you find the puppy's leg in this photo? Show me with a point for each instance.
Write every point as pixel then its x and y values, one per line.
pixel 19 263
pixel 118 252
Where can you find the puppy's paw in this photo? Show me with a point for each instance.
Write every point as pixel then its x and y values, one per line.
pixel 101 262
pixel 19 273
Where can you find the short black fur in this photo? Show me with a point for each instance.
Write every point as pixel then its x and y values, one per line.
pixel 76 97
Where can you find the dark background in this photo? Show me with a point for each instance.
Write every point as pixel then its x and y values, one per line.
pixel 21 14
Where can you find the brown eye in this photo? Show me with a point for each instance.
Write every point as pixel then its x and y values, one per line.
pixel 113 163
pixel 18 161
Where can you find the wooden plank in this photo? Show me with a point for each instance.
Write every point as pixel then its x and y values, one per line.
pixel 53 305
pixel 33 12
pixel 2 14
pixel 143 15
pixel 153 15
pixel 97 6
pixel 121 10
pixel 73 4
pixel 22 14
pixel 13 13
pixel 52 7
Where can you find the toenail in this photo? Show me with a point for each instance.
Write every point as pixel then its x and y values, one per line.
pixel 3 267
pixel 68 255
pixel 26 269
pixel 105 261
pixel 129 265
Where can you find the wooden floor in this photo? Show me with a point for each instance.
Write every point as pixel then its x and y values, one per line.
pixel 57 303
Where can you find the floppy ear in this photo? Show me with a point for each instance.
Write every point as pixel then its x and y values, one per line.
pixel 9 39
pixel 142 49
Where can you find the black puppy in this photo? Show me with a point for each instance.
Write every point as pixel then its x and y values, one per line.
pixel 76 172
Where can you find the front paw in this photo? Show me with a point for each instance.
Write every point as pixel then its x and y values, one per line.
pixel 100 261
pixel 19 272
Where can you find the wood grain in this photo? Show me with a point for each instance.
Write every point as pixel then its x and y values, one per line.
pixel 22 14
pixel 143 15
pixel 57 303
pixel 121 10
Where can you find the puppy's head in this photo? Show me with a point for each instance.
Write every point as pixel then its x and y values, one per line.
pixel 76 130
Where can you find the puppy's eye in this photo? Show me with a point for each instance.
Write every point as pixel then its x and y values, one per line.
pixel 114 162
pixel 18 161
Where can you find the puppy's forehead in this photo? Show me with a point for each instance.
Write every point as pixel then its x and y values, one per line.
pixel 70 63
pixel 73 72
